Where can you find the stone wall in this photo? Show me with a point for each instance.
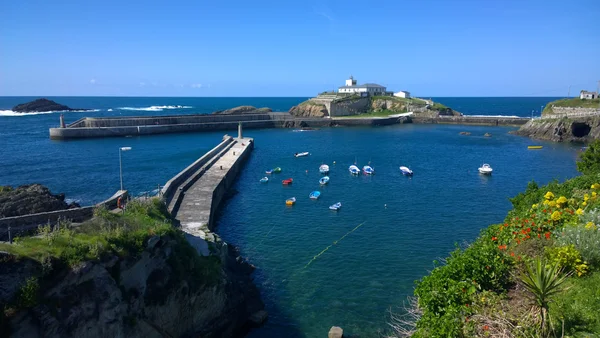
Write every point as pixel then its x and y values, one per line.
pixel 26 223
pixel 350 107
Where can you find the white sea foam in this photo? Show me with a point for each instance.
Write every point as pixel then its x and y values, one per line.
pixel 154 108
pixel 14 113
pixel 109 110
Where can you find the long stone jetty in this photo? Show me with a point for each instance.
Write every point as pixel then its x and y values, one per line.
pixel 91 127
pixel 194 195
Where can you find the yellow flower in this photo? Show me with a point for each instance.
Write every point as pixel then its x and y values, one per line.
pixel 586 197
pixel 590 225
pixel 594 194
pixel 549 195
pixel 545 202
pixel 534 206
pixel 555 216
pixel 595 186
pixel 552 203
pixel 579 211
pixel 584 204
pixel 561 200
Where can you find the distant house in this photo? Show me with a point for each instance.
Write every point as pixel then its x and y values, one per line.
pixel 403 94
pixel 367 89
pixel 585 95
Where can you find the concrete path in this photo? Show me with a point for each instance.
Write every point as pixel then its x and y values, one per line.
pixel 195 210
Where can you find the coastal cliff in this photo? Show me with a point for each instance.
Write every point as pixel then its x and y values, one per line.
pixel 309 109
pixel 580 129
pixel 130 275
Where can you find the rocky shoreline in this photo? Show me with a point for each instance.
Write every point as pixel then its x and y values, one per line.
pixel 31 199
pixel 581 129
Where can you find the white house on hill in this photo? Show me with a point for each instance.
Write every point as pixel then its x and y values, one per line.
pixel 402 94
pixel 364 89
pixel 585 95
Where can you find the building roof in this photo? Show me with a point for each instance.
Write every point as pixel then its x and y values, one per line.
pixel 586 92
pixel 366 85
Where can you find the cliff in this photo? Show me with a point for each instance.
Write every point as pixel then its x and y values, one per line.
pixel 309 109
pixel 30 199
pixel 579 129
pixel 244 110
pixel 41 105
pixel 130 275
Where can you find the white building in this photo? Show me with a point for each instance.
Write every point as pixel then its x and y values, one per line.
pixel 364 89
pixel 403 94
pixel 585 95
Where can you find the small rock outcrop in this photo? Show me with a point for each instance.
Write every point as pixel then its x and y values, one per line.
pixel 244 110
pixel 309 109
pixel 42 105
pixel 335 332
pixel 583 129
pixel 30 199
pixel 466 133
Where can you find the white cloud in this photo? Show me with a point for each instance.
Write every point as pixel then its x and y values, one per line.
pixel 93 81
pixel 196 85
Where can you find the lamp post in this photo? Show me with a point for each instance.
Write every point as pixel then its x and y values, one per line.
pixel 121 149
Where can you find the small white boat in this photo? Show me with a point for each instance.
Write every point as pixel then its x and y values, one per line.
pixel 324 180
pixel 336 206
pixel 306 153
pixel 314 195
pixel 324 169
pixel 354 170
pixel 485 169
pixel 405 171
pixel 368 170
pixel 264 180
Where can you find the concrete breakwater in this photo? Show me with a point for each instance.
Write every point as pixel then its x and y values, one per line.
pixel 90 127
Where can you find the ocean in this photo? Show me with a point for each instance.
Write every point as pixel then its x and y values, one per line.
pixel 315 268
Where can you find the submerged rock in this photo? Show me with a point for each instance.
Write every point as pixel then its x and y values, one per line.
pixel 42 105
pixel 335 332
pixel 467 133
pixel 487 135
pixel 31 199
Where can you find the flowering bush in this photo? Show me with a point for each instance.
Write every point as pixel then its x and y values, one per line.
pixel 585 239
pixel 568 258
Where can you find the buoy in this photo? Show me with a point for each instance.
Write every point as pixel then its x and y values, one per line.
pixel 385 205
pixel 333 162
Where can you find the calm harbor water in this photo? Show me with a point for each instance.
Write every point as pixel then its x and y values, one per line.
pixel 315 267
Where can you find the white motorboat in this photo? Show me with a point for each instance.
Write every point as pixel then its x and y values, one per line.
pixel 368 170
pixel 324 180
pixel 354 170
pixel 336 206
pixel 485 169
pixel 306 153
pixel 405 171
pixel 324 169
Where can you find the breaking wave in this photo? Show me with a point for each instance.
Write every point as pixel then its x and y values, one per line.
pixel 500 116
pixel 154 108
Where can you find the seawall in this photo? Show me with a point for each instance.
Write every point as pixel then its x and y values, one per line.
pixel 137 126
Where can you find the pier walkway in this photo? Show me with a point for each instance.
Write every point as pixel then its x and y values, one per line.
pixel 194 195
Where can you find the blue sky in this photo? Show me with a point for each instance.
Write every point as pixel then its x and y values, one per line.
pixel 298 48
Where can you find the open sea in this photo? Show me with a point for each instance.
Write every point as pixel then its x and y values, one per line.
pixel 315 268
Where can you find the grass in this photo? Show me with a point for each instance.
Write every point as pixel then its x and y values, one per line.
pixel 578 307
pixel 412 101
pixel 575 102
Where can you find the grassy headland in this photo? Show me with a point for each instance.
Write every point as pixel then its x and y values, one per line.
pixel 574 103
pixel 535 275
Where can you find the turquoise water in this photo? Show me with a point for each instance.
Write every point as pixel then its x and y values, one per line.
pixel 372 269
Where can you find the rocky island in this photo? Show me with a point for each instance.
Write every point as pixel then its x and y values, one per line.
pixel 243 110
pixel 42 105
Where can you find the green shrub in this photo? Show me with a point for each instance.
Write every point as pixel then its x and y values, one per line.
pixel 577 307
pixel 29 293
pixel 589 160
pixel 568 258
pixel 586 241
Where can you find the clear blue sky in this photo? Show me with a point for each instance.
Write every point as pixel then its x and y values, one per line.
pixel 298 48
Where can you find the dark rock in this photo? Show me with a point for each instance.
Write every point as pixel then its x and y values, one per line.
pixel 465 133
pixel 31 199
pixel 258 318
pixel 243 110
pixel 42 105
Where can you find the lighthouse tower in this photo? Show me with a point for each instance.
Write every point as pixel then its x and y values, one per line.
pixel 351 81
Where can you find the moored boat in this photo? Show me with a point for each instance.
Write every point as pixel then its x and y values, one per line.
pixel 368 170
pixel 306 153
pixel 287 182
pixel 290 201
pixel 324 169
pixel 535 147
pixel 264 180
pixel 268 172
pixel 354 170
pixel 324 180
pixel 405 171
pixel 277 170
pixel 314 195
pixel 485 169
pixel 336 206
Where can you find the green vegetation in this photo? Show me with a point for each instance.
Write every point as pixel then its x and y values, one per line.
pixel 545 256
pixel 589 161
pixel 575 102
pixel 5 188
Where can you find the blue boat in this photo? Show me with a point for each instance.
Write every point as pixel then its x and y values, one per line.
pixel 314 195
pixel 354 170
pixel 324 180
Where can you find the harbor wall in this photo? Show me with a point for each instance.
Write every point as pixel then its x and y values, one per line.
pixel 26 223
pixel 472 120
